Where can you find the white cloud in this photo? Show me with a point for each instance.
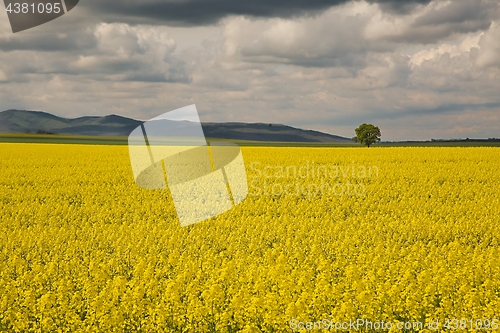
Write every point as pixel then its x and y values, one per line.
pixel 466 45
pixel 137 53
pixel 334 38
pixel 489 54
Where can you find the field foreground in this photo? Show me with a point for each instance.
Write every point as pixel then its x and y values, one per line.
pixel 326 235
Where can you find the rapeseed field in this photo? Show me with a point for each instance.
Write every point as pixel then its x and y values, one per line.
pixel 326 236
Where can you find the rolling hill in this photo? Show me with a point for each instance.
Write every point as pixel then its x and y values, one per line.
pixel 22 121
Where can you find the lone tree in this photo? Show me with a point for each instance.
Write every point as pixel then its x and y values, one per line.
pixel 367 134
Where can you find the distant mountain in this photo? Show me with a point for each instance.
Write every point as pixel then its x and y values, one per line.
pixel 21 121
pixel 267 132
pixel 18 121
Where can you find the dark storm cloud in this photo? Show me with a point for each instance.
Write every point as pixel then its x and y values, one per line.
pixel 455 17
pixel 204 12
pixel 459 16
pixel 399 7
pixel 457 12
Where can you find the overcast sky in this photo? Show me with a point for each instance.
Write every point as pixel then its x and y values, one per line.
pixel 418 69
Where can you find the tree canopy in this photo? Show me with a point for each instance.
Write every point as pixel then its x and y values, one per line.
pixel 368 134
